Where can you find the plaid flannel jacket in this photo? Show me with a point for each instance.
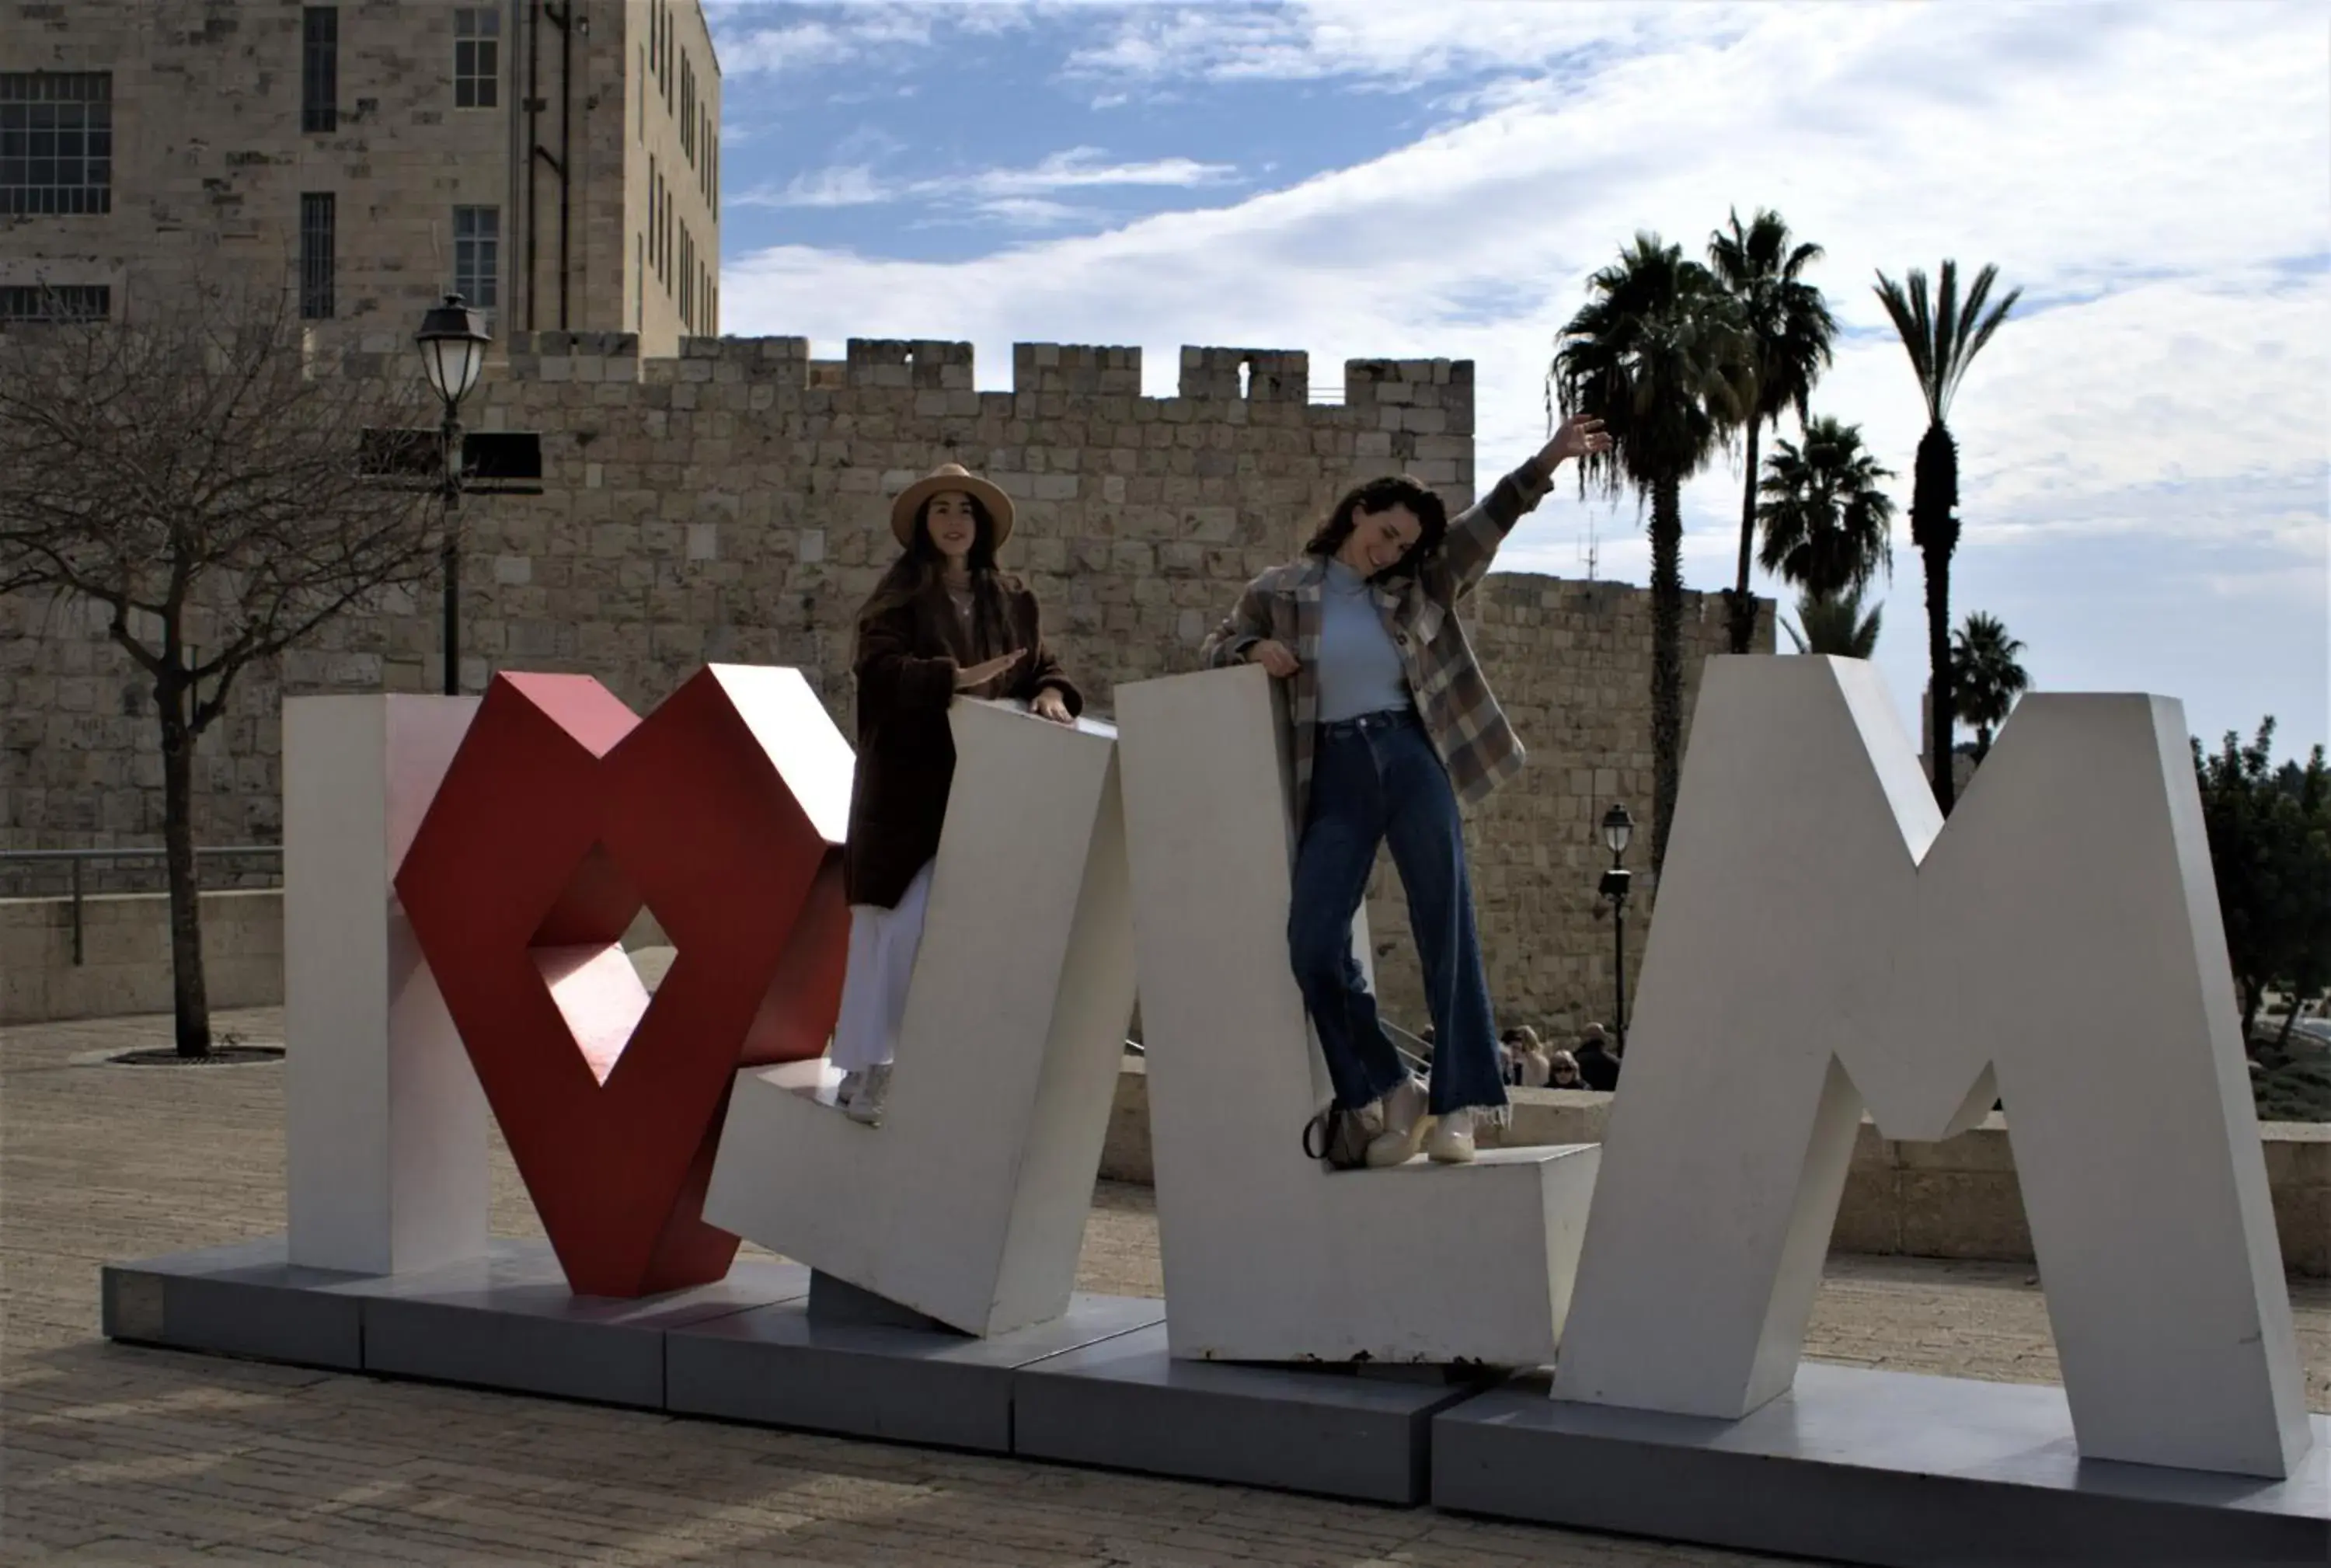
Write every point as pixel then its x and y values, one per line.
pixel 1468 728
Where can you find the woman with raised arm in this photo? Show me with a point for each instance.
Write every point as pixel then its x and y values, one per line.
pixel 942 621
pixel 1393 726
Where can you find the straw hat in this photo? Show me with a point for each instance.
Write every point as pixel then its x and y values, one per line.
pixel 951 476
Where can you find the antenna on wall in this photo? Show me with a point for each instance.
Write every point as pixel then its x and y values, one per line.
pixel 1591 546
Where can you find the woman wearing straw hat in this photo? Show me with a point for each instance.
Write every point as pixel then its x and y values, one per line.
pixel 942 621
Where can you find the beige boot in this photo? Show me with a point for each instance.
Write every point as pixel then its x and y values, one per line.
pixel 1451 1142
pixel 1404 1125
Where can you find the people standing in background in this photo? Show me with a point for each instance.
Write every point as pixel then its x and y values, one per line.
pixel 1598 1068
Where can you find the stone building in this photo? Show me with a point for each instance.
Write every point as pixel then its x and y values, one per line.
pixel 556 165
pixel 728 504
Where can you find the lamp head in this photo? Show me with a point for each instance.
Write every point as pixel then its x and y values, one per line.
pixel 452 342
pixel 1618 827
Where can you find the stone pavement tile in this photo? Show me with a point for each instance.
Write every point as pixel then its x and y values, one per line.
pixel 119 1454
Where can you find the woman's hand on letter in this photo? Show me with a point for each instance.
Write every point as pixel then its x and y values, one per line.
pixel 1273 656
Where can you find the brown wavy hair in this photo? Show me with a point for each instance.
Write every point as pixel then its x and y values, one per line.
pixel 921 564
pixel 1381 495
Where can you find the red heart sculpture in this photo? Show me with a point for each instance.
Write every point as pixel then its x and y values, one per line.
pixel 562 815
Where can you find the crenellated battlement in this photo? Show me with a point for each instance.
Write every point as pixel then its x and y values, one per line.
pixel 1209 374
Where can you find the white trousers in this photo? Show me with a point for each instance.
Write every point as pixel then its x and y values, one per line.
pixel 883 944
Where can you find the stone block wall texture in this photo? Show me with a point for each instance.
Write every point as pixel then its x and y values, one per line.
pixel 125 965
pixel 731 505
pixel 212 156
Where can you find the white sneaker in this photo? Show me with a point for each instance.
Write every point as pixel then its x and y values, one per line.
pixel 866 1106
pixel 1404 1125
pixel 1451 1142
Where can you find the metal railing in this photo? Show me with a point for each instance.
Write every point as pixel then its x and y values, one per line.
pixel 78 859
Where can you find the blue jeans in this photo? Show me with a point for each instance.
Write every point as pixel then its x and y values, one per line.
pixel 1374 779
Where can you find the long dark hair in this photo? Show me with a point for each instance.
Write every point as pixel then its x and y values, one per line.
pixel 1382 495
pixel 921 564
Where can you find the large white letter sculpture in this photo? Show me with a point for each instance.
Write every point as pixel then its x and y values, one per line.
pixel 968 1203
pixel 1823 938
pixel 1268 1255
pixel 386 1135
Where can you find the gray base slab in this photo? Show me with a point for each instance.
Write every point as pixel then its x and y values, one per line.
pixel 1126 1404
pixel 1879 1468
pixel 244 1299
pixel 787 1366
pixel 507 1321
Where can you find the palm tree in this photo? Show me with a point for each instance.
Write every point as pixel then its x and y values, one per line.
pixel 1828 526
pixel 1942 343
pixel 1835 625
pixel 1657 355
pixel 1986 677
pixel 1790 329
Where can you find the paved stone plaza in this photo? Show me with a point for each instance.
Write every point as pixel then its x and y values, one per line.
pixel 125 1456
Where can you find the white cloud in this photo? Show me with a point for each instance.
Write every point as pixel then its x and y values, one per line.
pixel 1015 194
pixel 2158 179
pixel 830 36
pixel 842 185
pixel 1083 168
pixel 1390 44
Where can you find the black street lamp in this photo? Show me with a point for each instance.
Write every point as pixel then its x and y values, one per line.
pixel 452 342
pixel 1618 827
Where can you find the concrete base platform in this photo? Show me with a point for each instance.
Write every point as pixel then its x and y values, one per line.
pixel 506 1321
pixel 509 1322
pixel 1126 1405
pixel 246 1299
pixel 819 1364
pixel 1877 1467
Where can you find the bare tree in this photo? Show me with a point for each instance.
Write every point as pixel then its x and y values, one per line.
pixel 194 470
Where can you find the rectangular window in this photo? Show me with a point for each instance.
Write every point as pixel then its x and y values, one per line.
pixel 56 302
pixel 639 307
pixel 317 259
pixel 478 255
pixel 56 143
pixel 643 94
pixel 320 68
pixel 477 57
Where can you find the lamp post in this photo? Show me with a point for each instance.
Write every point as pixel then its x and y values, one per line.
pixel 1618 827
pixel 452 342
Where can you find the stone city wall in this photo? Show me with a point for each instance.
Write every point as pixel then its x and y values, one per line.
pixel 730 505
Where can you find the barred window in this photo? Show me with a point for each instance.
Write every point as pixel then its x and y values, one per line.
pixel 56 302
pixel 319 69
pixel 477 57
pixel 317 255
pixel 477 255
pixel 56 142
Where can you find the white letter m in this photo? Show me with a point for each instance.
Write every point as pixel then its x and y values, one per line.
pixel 1823 939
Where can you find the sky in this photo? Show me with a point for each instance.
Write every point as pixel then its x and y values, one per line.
pixel 2145 456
